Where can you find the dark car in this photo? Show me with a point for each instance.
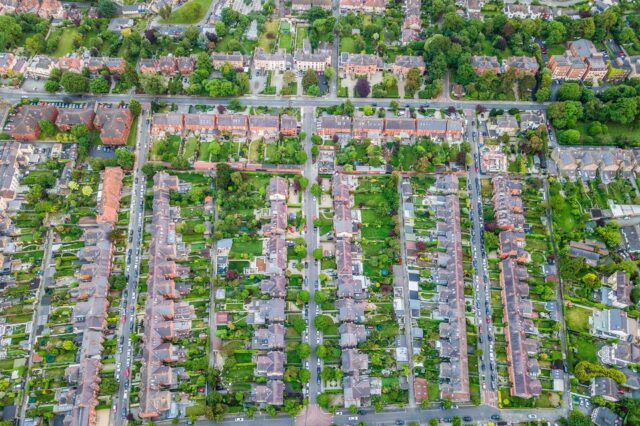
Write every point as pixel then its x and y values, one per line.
pixel 495 417
pixel 399 422
pixel 467 418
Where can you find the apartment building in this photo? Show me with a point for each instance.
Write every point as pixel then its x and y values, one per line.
pixel 264 126
pixel 26 122
pixel 582 61
pixel 305 59
pixel 483 64
pixel 360 64
pixel 69 117
pixel 168 65
pixel 278 61
pixel 13 157
pixel 404 63
pixel 371 128
pixel 364 6
pixel 587 162
pixel 523 65
pixel 335 126
pixel 233 124
pixel 114 124
pixel 235 59
pixel 167 122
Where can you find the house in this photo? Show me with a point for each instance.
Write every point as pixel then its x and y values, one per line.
pixel 288 125
pixel 356 391
pixel 603 416
pixel 274 286
pixel 233 124
pixel 114 124
pixel 523 370
pixel 620 354
pixel 110 193
pixel 354 361
pixel 114 65
pixel 531 120
pixel 365 6
pixel 356 63
pixel 368 128
pixel 71 62
pixel 400 127
pixel 133 9
pixel 483 64
pixel 278 61
pixel 278 189
pixel 512 245
pixel 269 338
pixel 567 67
pixel 7 61
pixel 167 122
pixel 264 126
pixel 235 59
pixel 40 66
pixel 590 251
pixel 272 393
pixel 522 65
pixel 614 324
pixel 606 388
pixel 404 63
pixel 266 311
pixel 618 292
pixel 304 5
pixel 493 160
pixel 332 126
pixel 623 68
pixel 26 121
pixel 351 334
pixel 305 59
pixel 200 122
pixel 119 25
pixel 435 128
pixel 69 117
pixel 350 310
pixel 503 124
pixel 270 364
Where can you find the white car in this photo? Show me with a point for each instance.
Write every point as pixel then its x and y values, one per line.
pixel 353 418
pixel 532 416
pixel 239 419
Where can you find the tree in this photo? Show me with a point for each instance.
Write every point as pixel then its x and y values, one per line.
pixel 362 88
pixel 35 44
pixel 323 322
pixel 235 105
pixel 135 107
pixel 47 128
pixel 310 78
pixel 304 350
pixel 107 8
pixel 52 86
pixel 315 190
pixel 288 78
pixel 74 82
pixel 569 137
pixel 154 84
pixel 35 194
pixel 329 73
pixel 125 158
pixel 86 190
pixel 319 297
pixel 99 85
pixel 165 12
pixel 11 32
pixel 317 253
pixel 304 376
pixel 569 91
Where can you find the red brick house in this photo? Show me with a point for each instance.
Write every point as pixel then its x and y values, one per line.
pixel 114 124
pixel 26 121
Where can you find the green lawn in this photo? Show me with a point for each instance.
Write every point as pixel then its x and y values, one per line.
pixel 578 318
pixel 184 14
pixel 347 45
pixel 66 42
pixel 241 248
pixel 268 37
pixel 301 34
pixel 133 133
pixel 285 42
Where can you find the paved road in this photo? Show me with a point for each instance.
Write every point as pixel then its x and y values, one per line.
pixel 408 319
pixel 481 282
pixel 311 237
pixel 14 95
pixel 482 413
pixel 40 314
pixel 132 271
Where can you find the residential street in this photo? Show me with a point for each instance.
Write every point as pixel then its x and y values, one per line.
pixel 132 269
pixel 14 95
pixel 480 281
pixel 310 205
